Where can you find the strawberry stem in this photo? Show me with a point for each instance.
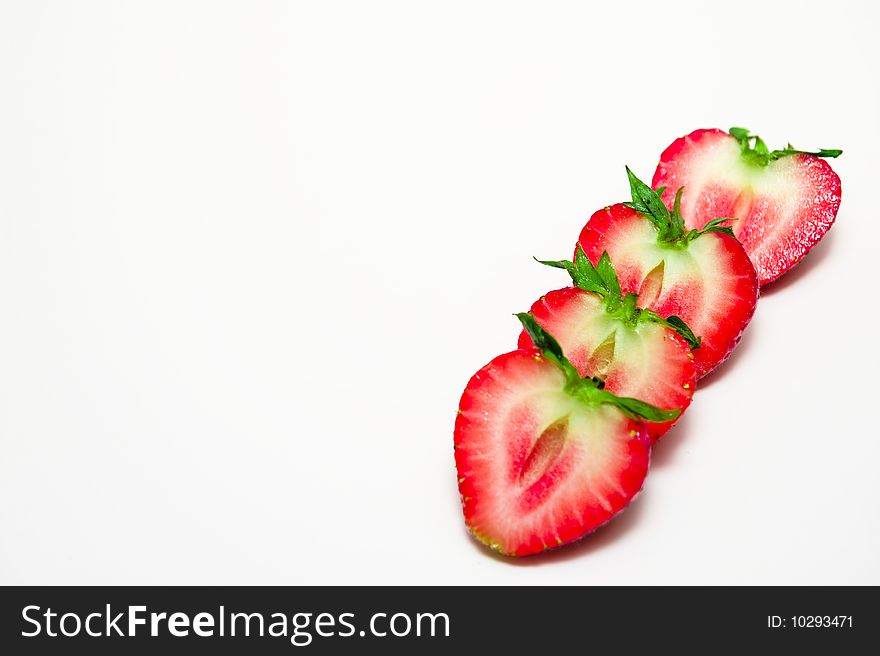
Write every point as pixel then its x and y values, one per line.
pixel 628 312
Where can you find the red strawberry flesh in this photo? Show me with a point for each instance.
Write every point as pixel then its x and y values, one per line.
pixel 711 284
pixel 647 361
pixel 782 208
pixel 537 468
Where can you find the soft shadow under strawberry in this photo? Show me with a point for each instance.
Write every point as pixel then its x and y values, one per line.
pixel 664 451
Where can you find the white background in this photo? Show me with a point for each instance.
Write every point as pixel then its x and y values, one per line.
pixel 250 254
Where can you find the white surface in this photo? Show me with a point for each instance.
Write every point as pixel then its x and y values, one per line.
pixel 250 253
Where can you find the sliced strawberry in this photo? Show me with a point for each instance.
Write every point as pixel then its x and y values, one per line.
pixel 703 276
pixel 783 201
pixel 544 456
pixel 636 352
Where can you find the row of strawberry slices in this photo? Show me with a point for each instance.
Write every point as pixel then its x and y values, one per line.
pixel 553 439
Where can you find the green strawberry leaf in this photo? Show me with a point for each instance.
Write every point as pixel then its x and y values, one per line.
pixel 547 344
pixel 600 279
pixel 713 226
pixel 822 152
pixel 606 272
pixel 589 281
pixel 588 389
pixel 760 155
pixel 760 146
pixel 647 202
pixel 639 410
pixel 677 324
pixel 542 340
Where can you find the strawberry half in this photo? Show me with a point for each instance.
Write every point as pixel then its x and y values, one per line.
pixel 784 201
pixel 604 333
pixel 702 275
pixel 545 456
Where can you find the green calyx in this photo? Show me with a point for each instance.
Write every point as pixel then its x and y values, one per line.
pixel 671 231
pixel 602 280
pixel 590 390
pixel 754 151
